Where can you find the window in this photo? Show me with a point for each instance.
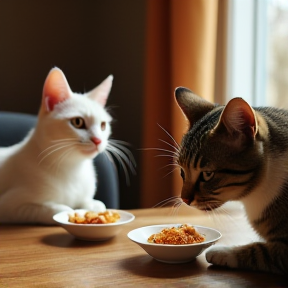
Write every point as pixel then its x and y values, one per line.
pixel 258 52
pixel 277 53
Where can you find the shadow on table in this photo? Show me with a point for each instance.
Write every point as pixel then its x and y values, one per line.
pixel 196 272
pixel 65 240
pixel 144 265
pixel 253 278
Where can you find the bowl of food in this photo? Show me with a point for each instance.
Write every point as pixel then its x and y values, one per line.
pixel 174 243
pixel 93 226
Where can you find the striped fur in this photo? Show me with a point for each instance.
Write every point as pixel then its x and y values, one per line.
pixel 236 152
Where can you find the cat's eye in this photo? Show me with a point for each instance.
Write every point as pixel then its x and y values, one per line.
pixel 78 123
pixel 103 126
pixel 206 176
pixel 182 173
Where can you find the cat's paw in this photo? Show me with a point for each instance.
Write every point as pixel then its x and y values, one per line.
pixel 39 212
pixel 50 209
pixel 93 205
pixel 222 256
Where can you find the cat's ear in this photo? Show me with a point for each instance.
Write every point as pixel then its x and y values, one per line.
pixel 56 89
pixel 101 92
pixel 238 117
pixel 193 106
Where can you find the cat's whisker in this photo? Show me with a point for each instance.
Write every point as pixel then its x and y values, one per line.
pixel 224 210
pixel 168 201
pixel 176 207
pixel 171 137
pixel 176 202
pixel 170 172
pixel 165 155
pixel 53 151
pixel 120 142
pixel 176 167
pixel 209 215
pixel 123 165
pixel 173 153
pixel 217 217
pixel 171 164
pixel 213 216
pixel 128 159
pixel 121 146
pixel 214 213
pixel 122 158
pixel 231 219
pixel 109 156
pixel 64 140
pixel 60 142
pixel 63 156
pixel 177 150
pixel 56 161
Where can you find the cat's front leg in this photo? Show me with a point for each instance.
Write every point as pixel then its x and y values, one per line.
pixel 268 257
pixel 93 205
pixel 40 213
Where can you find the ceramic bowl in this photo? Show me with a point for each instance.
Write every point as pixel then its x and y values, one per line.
pixel 93 232
pixel 173 253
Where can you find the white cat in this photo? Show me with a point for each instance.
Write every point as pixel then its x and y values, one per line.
pixel 52 170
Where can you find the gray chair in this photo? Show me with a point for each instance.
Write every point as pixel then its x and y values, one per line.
pixel 15 126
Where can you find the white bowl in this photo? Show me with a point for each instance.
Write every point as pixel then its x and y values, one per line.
pixel 93 232
pixel 173 253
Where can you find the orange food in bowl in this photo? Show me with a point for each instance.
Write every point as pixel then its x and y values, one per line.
pixel 184 234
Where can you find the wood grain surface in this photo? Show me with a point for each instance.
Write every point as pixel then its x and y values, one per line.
pixel 40 256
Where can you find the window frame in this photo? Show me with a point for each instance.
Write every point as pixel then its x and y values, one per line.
pixel 246 51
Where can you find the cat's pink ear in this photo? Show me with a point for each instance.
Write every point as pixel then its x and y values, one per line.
pixel 239 116
pixel 193 106
pixel 56 89
pixel 101 92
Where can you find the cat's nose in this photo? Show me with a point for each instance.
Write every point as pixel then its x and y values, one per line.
pixel 96 140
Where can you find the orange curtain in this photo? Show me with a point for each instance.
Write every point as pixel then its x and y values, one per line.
pixel 181 51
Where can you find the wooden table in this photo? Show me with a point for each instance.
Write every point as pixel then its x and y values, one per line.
pixel 37 256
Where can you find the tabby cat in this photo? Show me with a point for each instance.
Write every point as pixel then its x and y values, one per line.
pixel 52 169
pixel 236 152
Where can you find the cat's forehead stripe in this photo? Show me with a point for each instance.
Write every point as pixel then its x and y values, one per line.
pixel 191 144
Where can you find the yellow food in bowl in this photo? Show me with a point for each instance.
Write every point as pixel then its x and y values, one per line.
pixel 92 217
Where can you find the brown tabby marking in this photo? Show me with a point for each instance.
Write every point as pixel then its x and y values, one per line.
pixel 236 152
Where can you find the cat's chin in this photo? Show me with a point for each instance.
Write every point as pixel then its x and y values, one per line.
pixel 203 206
pixel 208 207
pixel 92 152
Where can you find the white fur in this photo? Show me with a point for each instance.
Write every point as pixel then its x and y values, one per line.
pixel 51 170
pixel 268 190
pixel 222 256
